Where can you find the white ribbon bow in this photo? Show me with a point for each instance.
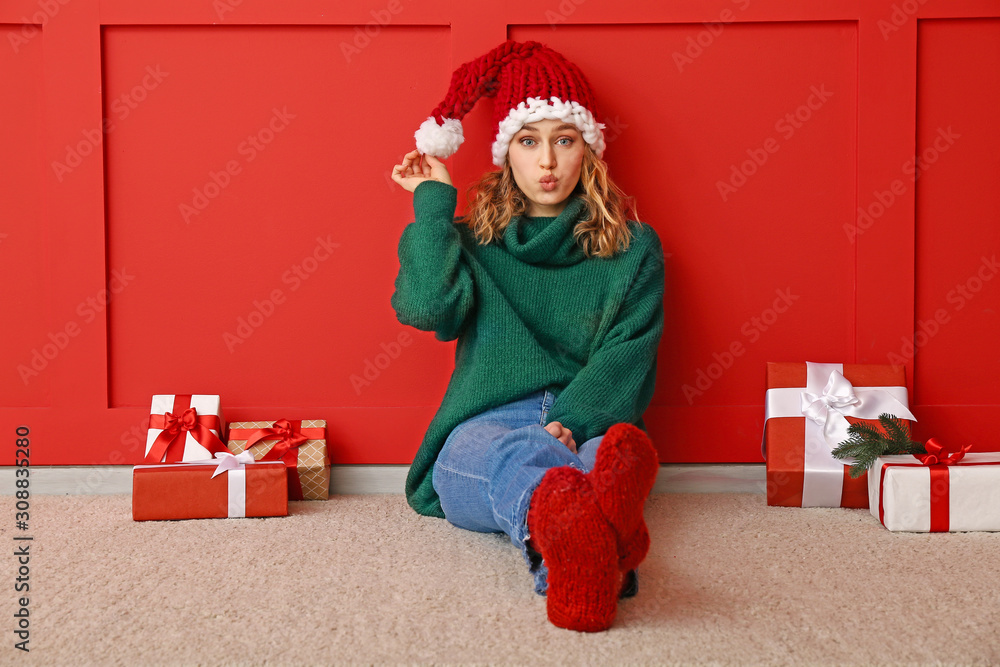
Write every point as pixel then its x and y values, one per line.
pixel 840 400
pixel 838 393
pixel 228 461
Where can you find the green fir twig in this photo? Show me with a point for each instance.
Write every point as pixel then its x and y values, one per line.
pixel 867 442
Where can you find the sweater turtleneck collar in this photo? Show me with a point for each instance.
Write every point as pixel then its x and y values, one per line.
pixel 546 239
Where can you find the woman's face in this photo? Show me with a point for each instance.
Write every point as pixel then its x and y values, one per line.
pixel 545 158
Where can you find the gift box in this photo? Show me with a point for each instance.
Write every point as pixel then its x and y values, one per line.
pixel 910 494
pixel 208 490
pixel 184 427
pixel 808 408
pixel 300 444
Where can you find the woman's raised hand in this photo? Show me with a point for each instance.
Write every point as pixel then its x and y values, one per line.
pixel 417 168
pixel 563 434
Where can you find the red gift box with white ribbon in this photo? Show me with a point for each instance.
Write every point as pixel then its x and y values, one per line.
pixel 942 491
pixel 184 427
pixel 808 409
pixel 226 487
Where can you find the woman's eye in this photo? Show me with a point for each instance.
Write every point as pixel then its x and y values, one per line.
pixel 568 140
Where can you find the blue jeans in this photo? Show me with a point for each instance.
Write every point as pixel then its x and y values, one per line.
pixel 491 463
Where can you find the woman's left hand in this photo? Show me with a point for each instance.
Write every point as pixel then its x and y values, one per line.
pixel 563 434
pixel 418 167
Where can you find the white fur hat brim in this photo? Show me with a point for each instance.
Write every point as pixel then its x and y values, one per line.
pixel 536 108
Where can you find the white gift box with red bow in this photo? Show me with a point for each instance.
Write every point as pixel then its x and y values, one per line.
pixel 907 493
pixel 184 427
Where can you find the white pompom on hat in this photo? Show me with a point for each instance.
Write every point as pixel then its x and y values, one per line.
pixel 529 82
pixel 439 140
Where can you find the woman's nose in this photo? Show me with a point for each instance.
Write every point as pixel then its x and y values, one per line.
pixel 548 157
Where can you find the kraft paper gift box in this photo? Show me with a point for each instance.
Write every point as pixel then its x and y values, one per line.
pixel 209 490
pixel 184 427
pixel 907 494
pixel 808 408
pixel 301 444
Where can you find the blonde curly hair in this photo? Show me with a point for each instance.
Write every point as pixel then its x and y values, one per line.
pixel 495 200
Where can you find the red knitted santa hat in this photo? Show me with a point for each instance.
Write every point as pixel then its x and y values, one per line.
pixel 529 82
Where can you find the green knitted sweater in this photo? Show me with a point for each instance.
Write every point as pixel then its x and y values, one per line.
pixel 530 313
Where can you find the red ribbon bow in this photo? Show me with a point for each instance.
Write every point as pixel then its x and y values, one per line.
pixel 169 444
pixel 290 437
pixel 938 454
pixel 186 422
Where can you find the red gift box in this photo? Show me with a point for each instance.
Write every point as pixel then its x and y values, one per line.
pixel 190 491
pixel 808 409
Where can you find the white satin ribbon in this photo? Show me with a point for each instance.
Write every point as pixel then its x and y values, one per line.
pixel 826 402
pixel 237 507
pixel 236 465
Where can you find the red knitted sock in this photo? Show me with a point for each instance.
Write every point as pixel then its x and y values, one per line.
pixel 566 526
pixel 622 478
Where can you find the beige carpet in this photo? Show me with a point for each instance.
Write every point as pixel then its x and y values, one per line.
pixel 364 579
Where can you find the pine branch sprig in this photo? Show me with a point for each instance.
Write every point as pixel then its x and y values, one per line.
pixel 867 442
pixel 897 434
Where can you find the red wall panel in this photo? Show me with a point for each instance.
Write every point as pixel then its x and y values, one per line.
pixel 27 348
pixel 266 180
pixel 232 227
pixel 955 171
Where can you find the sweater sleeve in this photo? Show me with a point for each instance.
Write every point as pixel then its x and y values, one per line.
pixel 434 287
pixel 617 382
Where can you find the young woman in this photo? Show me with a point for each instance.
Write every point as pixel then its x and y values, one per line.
pixel 556 300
